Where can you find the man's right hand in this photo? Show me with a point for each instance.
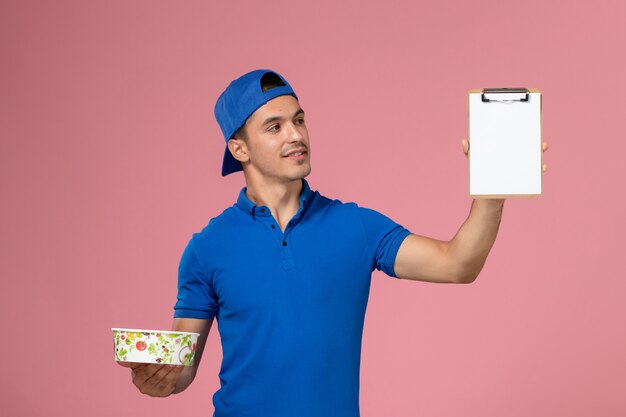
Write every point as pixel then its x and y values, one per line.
pixel 159 380
pixel 153 379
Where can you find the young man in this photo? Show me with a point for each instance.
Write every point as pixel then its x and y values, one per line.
pixel 286 271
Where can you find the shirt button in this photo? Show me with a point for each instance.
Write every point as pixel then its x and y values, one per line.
pixel 273 227
pixel 262 210
pixel 284 243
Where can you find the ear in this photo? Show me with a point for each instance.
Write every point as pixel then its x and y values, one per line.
pixel 238 149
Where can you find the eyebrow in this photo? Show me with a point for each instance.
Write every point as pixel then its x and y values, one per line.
pixel 275 118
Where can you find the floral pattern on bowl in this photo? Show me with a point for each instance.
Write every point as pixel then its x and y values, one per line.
pixel 154 346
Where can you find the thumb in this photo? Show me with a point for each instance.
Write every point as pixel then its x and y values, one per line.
pixel 465 144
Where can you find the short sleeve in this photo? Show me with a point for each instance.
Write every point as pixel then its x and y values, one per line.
pixel 196 296
pixel 384 237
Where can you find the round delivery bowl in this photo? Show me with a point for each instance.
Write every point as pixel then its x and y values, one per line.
pixel 154 346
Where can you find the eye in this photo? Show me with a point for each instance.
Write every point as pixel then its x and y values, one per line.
pixel 301 121
pixel 273 128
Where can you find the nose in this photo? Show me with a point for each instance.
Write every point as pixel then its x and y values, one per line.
pixel 294 133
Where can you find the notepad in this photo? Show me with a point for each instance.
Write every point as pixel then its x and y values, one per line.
pixel 505 156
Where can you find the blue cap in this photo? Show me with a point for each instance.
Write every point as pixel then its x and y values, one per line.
pixel 241 98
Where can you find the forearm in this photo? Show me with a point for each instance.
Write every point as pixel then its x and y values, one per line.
pixel 471 245
pixel 202 327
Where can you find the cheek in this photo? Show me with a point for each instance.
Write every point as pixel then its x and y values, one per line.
pixel 268 155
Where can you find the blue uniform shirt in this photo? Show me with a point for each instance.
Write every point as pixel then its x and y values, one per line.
pixel 289 305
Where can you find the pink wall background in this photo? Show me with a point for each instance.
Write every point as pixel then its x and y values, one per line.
pixel 110 159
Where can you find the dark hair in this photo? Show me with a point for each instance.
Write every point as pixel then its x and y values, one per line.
pixel 268 81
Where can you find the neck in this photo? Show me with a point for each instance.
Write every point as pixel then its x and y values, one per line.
pixel 281 198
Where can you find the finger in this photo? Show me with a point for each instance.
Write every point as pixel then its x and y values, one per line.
pixel 545 167
pixel 545 146
pixel 465 144
pixel 163 382
pixel 144 374
pixel 156 378
pixel 137 370
pixel 168 382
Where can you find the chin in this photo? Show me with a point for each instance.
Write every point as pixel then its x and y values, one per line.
pixel 300 173
pixel 306 171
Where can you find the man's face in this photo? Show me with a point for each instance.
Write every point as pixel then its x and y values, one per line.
pixel 275 130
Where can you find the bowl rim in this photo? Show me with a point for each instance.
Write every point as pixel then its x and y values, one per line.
pixel 122 329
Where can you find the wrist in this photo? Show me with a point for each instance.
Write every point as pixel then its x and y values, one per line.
pixel 490 203
pixel 185 379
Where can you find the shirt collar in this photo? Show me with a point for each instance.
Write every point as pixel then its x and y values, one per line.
pixel 244 203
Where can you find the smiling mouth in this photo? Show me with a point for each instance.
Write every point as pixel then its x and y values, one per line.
pixel 296 155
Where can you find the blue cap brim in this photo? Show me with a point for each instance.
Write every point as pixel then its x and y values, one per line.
pixel 230 164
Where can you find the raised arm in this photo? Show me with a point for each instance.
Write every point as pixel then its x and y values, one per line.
pixel 459 260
